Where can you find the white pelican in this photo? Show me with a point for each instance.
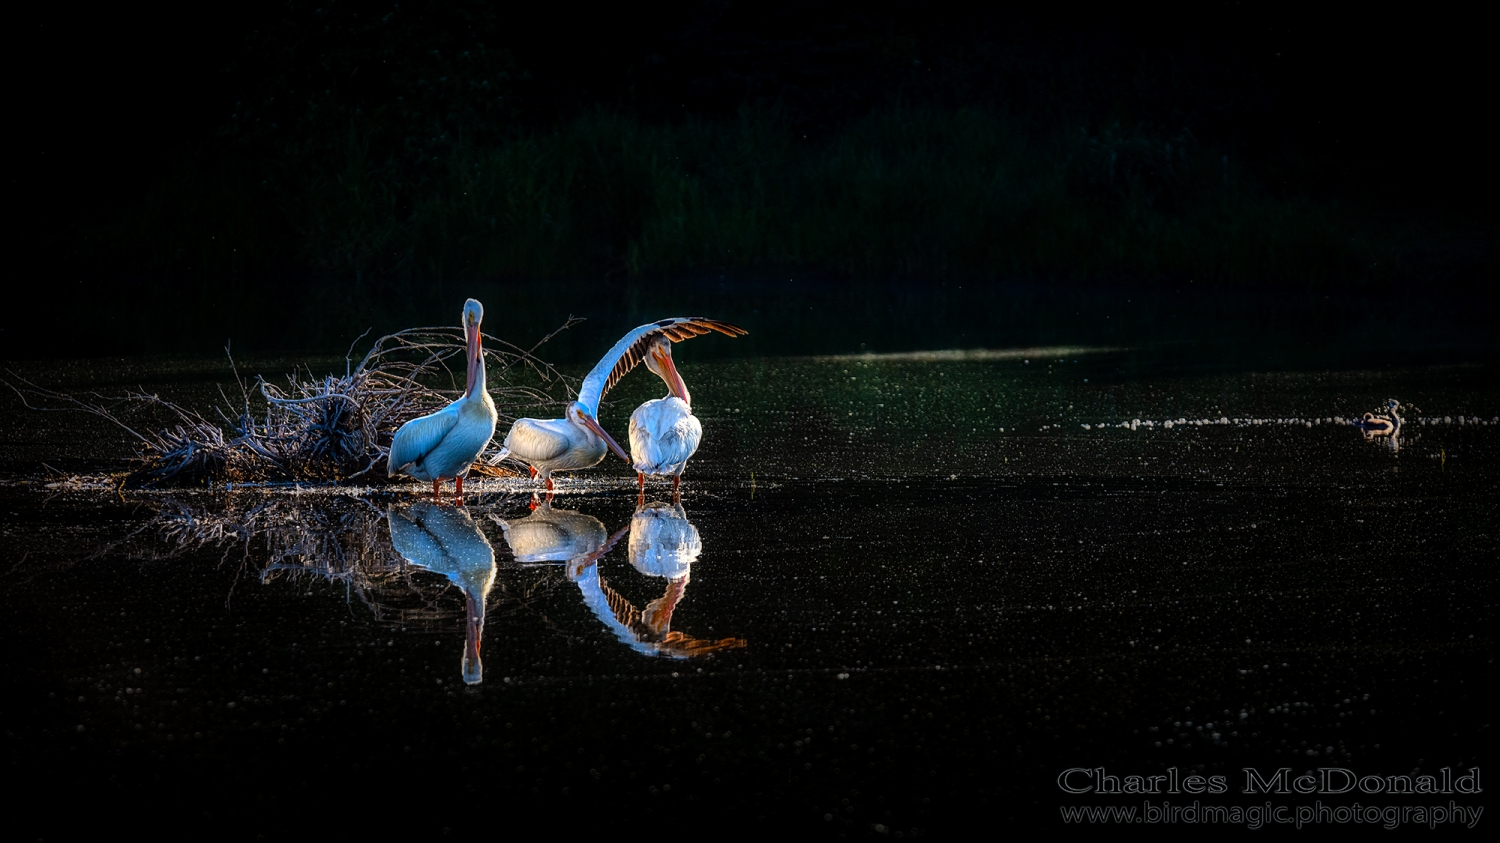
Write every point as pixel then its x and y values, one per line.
pixel 444 444
pixel 664 433
pixel 565 444
pixel 663 543
pixel 447 542
pixel 577 441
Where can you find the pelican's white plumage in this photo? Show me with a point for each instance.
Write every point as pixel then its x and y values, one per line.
pixel 577 441
pixel 565 444
pixel 444 444
pixel 633 348
pixel 664 433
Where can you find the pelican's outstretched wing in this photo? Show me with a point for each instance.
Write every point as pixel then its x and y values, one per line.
pixel 418 437
pixel 631 350
pixel 538 439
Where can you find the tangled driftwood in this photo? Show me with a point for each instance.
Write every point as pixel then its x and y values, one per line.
pixel 333 428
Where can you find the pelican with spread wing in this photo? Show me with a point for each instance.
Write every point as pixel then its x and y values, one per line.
pixel 664 433
pixel 577 441
pixel 444 444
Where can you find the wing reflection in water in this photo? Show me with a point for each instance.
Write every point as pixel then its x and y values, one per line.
pixel 663 543
pixel 445 540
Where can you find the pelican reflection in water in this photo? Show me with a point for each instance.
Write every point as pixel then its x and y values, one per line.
pixel 552 535
pixel 446 541
pixel 664 544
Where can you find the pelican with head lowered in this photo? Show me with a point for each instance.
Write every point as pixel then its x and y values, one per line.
pixel 566 444
pixel 444 444
pixel 578 441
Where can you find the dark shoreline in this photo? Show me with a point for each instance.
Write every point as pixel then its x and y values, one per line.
pixel 789 313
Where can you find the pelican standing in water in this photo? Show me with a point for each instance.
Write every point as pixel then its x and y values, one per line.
pixel 1386 424
pixel 664 433
pixel 444 444
pixel 578 441
pixel 566 444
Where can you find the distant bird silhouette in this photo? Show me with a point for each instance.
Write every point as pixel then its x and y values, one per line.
pixel 1386 423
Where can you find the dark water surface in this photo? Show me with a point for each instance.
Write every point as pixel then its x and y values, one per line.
pixel 901 594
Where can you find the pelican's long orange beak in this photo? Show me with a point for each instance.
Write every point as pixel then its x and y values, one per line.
pixel 476 355
pixel 675 384
pixel 592 424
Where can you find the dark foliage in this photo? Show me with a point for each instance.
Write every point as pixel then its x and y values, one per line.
pixel 418 140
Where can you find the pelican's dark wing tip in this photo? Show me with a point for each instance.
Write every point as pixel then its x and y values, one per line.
pixel 694 326
pixel 676 329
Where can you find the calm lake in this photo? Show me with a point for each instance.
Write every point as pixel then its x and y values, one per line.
pixel 901 593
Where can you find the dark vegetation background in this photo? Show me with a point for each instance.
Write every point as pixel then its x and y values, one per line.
pixel 293 173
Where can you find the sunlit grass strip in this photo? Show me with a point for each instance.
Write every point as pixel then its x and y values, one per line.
pixel 951 355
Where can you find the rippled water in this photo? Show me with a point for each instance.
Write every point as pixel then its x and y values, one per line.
pixel 900 593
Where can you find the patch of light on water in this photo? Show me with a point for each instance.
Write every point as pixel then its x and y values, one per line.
pixel 1168 424
pixel 949 355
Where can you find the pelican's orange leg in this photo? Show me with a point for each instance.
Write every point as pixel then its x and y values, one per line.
pixel 533 471
pixel 640 479
pixel 458 497
pixel 676 488
pixel 436 491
